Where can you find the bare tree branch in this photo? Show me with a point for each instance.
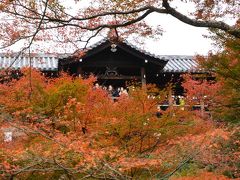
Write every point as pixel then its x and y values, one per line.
pixel 209 24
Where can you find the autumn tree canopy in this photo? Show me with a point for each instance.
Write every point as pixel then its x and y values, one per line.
pixel 71 22
pixel 65 129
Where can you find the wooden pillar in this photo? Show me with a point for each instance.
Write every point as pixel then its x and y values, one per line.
pixel 170 99
pixel 143 76
pixel 79 71
pixel 202 106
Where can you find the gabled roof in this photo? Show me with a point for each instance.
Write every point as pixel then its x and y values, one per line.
pixel 124 45
pixel 47 62
pixel 175 63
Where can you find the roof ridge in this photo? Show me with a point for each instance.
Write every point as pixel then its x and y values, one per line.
pixel 163 57
pixel 141 50
pixel 178 56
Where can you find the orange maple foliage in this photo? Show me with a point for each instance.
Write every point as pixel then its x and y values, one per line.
pixel 69 127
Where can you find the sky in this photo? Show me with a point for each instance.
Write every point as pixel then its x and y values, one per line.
pixel 178 38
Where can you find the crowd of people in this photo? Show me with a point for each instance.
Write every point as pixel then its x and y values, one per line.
pixel 113 92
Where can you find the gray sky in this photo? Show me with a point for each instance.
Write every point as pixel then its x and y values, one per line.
pixel 178 38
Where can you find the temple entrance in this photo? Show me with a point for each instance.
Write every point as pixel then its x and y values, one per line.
pixel 114 76
pixel 119 66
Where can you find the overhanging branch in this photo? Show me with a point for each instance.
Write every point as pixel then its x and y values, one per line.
pixel 209 24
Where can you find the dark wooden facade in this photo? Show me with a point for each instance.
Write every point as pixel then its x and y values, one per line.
pixel 115 63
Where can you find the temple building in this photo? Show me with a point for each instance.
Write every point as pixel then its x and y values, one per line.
pixel 112 62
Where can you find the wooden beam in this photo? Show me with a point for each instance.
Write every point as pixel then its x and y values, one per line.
pixel 119 77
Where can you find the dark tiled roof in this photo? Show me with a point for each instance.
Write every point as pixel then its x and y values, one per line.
pixel 122 44
pixel 41 62
pixel 144 51
pixel 97 43
pixel 181 64
pixel 175 64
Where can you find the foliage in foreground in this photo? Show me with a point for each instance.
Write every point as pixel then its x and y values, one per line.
pixel 226 66
pixel 65 128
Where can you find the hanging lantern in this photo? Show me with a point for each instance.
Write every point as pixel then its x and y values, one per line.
pixel 113 47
